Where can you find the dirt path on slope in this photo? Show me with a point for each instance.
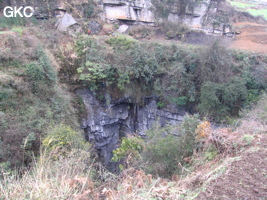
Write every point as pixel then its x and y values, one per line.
pixel 253 37
pixel 245 178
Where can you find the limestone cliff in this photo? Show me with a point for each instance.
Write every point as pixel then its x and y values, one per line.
pixel 106 123
pixel 192 13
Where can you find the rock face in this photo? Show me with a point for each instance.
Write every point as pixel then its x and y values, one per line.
pixel 137 10
pixel 143 11
pixel 107 123
pixel 64 22
pixel 193 16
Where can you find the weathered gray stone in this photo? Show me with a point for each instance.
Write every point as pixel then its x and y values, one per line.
pixel 66 21
pixel 123 28
pixel 95 27
pixel 128 10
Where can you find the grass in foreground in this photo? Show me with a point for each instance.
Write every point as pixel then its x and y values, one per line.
pixel 63 178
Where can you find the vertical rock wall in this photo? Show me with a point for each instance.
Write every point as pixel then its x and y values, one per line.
pixel 138 10
pixel 106 124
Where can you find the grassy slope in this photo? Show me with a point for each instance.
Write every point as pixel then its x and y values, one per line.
pixel 238 173
pixel 255 8
pixel 32 100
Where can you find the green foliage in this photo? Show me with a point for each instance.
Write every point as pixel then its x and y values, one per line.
pixel 129 62
pixel 181 101
pixel 226 87
pixel 120 44
pixel 63 137
pixel 220 17
pixel 215 64
pixel 248 139
pixel 49 70
pixel 28 141
pixel 220 100
pixel 129 151
pixel 18 30
pixel 139 32
pixel 41 72
pixel 210 153
pixel 90 9
pixel 35 72
pixel 94 73
pixel 160 104
pixel 215 80
pixel 6 98
pixel 173 29
pixel 9 22
pixel 93 67
pixel 166 147
pixel 30 101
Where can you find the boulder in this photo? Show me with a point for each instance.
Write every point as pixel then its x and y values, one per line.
pixel 123 28
pixel 94 27
pixel 64 22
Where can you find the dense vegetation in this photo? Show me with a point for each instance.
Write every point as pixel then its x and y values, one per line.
pixel 31 99
pixel 163 152
pixel 214 81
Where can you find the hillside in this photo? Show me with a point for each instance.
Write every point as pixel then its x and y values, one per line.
pixel 256 8
pixel 253 37
pixel 174 107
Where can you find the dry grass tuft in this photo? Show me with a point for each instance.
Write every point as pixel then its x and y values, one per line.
pixel 49 179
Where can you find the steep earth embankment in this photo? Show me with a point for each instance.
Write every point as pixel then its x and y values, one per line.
pixel 253 37
pixel 244 178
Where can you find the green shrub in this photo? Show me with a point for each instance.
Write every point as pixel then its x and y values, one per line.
pixel 248 139
pixel 166 147
pixel 49 69
pixel 120 43
pixel 41 72
pixel 129 62
pixel 6 98
pixel 129 151
pixel 210 153
pixel 9 22
pixel 170 34
pixel 215 64
pixel 35 72
pixel 63 137
pixel 181 101
pixel 90 9
pixel 221 100
pixel 160 104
